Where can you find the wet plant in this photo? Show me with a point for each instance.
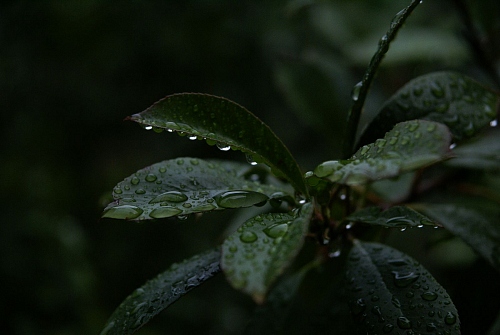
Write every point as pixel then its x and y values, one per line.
pixel 399 173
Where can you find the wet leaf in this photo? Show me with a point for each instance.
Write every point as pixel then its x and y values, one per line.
pixel 408 146
pixel 461 103
pixel 188 185
pixel 483 153
pixel 227 124
pixel 259 251
pixel 395 217
pixel 477 224
pixel 390 292
pixel 157 294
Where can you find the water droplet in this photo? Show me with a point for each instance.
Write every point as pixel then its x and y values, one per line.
pixel 429 296
pixel 182 217
pixel 397 262
pixel 140 191
pixel 192 137
pixel 404 279
pixel 404 323
pixel 250 159
pixel 450 318
pixel 238 199
pixel 387 328
pixel 248 237
pixel 135 180
pixel 395 20
pixel 393 140
pixel 358 307
pixel 437 90
pixel 117 190
pixel 276 230
pixel 431 327
pixel 126 212
pixel 223 147
pixel 431 127
pixel 151 177
pixel 148 127
pixel 494 123
pixel 356 90
pixel 164 212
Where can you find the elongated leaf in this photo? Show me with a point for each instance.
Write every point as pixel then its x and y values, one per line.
pixel 157 294
pixel 483 153
pixel 227 124
pixel 408 146
pixel 258 252
pixel 458 101
pixel 392 293
pixel 398 216
pixel 476 224
pixel 187 185
pixel 360 90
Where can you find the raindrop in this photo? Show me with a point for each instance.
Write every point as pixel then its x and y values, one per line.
pixel 437 90
pixel 151 177
pixel 397 18
pixel 404 279
pixel 223 147
pixel 431 127
pixel 358 306
pixel 404 323
pixel 452 146
pixel 388 328
pixel 349 226
pixel 135 181
pixel 494 123
pixel 450 319
pixel 250 159
pixel 148 127
pixel 164 212
pixel 334 254
pixel 117 190
pixel 192 137
pixel 276 230
pixel 140 191
pixel 397 262
pixel 248 237
pixel 238 199
pixel 356 90
pixel 429 296
pixel 126 212
pixel 182 217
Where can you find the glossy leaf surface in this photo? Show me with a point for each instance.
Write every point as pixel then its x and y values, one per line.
pixel 259 251
pixel 461 103
pixel 482 153
pixel 477 224
pixel 227 124
pixel 389 292
pixel 408 146
pixel 157 294
pixel 187 185
pixel 395 217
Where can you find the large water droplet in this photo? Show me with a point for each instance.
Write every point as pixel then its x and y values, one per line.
pixel 238 199
pixel 429 296
pixel 276 230
pixel 397 18
pixel 172 196
pixel 126 212
pixel 356 90
pixel 404 279
pixel 135 180
pixel 223 146
pixel 404 323
pixel 248 237
pixel 151 177
pixel 450 318
pixel 494 123
pixel 164 212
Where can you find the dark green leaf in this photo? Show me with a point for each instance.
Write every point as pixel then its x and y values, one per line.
pixel 398 216
pixel 458 101
pixel 392 293
pixel 227 124
pixel 360 90
pixel 476 224
pixel 395 190
pixel 187 185
pixel 259 251
pixel 483 153
pixel 157 294
pixel 408 146
pixel 270 317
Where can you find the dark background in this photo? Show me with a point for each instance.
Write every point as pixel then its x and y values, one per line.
pixel 71 71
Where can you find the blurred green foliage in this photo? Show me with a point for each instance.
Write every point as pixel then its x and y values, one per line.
pixel 70 71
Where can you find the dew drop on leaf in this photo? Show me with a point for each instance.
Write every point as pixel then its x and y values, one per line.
pixel 356 90
pixel 494 123
pixel 238 199
pixel 404 279
pixel 164 212
pixel 135 180
pixel 450 318
pixel 151 177
pixel 248 237
pixel 123 212
pixel 276 230
pixel 223 146
pixel 403 323
pixel 429 296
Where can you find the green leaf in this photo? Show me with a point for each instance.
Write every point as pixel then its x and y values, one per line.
pixel 395 190
pixel 360 90
pixel 483 153
pixel 187 185
pixel 391 292
pixel 259 251
pixel 157 294
pixel 398 216
pixel 458 101
pixel 477 224
pixel 227 124
pixel 408 146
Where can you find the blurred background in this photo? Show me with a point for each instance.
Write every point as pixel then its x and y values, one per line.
pixel 71 71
